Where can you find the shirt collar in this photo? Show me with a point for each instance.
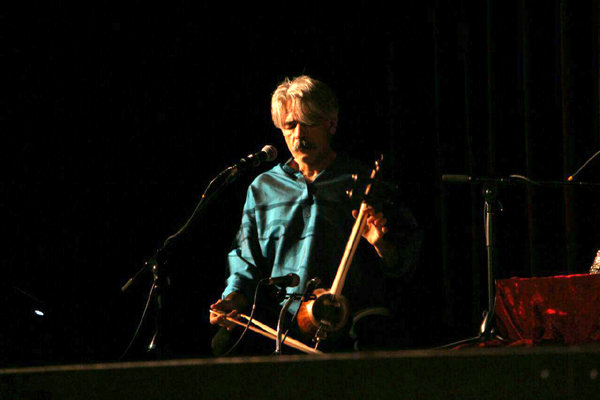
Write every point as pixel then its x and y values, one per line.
pixel 337 163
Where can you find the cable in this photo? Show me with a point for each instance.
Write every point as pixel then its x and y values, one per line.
pixel 137 330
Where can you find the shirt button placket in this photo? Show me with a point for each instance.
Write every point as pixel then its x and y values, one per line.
pixel 307 201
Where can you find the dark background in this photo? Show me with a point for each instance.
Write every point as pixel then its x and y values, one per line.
pixel 120 116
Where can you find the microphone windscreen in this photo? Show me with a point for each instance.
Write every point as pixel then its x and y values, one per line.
pixel 271 152
pixel 295 280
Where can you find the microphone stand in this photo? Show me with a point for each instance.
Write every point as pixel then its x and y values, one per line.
pixel 490 192
pixel 282 313
pixel 156 262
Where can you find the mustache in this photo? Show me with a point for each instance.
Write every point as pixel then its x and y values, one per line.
pixel 304 144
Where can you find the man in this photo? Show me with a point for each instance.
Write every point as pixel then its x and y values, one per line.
pixel 297 216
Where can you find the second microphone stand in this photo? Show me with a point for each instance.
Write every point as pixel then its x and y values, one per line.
pixel 490 207
pixel 306 296
pixel 282 314
pixel 490 192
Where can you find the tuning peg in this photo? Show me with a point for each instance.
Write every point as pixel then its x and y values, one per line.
pixel 349 193
pixel 355 177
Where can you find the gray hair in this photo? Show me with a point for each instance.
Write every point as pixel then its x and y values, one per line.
pixel 311 101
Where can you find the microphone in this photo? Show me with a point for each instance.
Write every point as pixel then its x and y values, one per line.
pixel 289 280
pixel 451 178
pixel 267 153
pixel 310 286
pixel 313 283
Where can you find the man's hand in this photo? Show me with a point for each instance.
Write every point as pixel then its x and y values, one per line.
pixel 230 308
pixel 374 232
pixel 375 227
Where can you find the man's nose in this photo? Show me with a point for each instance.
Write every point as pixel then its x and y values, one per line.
pixel 299 130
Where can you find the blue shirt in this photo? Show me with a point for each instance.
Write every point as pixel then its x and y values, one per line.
pixel 290 225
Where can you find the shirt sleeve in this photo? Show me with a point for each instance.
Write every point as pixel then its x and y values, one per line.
pixel 409 241
pixel 244 260
pixel 407 236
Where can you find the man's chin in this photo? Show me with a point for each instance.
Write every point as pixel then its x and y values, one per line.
pixel 303 156
pixel 304 149
pixel 303 152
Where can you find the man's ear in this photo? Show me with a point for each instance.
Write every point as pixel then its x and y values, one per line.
pixel 333 126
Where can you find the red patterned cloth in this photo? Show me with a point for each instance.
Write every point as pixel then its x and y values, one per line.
pixel 558 309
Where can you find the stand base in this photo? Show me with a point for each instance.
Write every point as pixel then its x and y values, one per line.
pixel 486 332
pixel 473 340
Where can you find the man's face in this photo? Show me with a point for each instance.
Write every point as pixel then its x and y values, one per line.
pixel 308 143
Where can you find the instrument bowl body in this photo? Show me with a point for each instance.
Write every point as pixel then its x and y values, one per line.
pixel 327 311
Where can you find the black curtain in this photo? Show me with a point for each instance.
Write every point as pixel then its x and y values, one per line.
pixel 123 114
pixel 516 93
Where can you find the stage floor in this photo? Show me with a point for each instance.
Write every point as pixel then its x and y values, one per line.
pixel 477 373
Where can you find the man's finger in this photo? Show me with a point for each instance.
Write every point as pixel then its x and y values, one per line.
pixel 380 222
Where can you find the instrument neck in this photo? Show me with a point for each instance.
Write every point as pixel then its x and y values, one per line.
pixel 351 246
pixel 355 235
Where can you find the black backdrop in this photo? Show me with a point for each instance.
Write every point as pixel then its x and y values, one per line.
pixel 122 114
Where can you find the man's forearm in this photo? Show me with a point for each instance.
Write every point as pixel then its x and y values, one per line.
pixel 388 252
pixel 239 300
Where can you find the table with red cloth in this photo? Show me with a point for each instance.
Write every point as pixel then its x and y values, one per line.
pixel 549 310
